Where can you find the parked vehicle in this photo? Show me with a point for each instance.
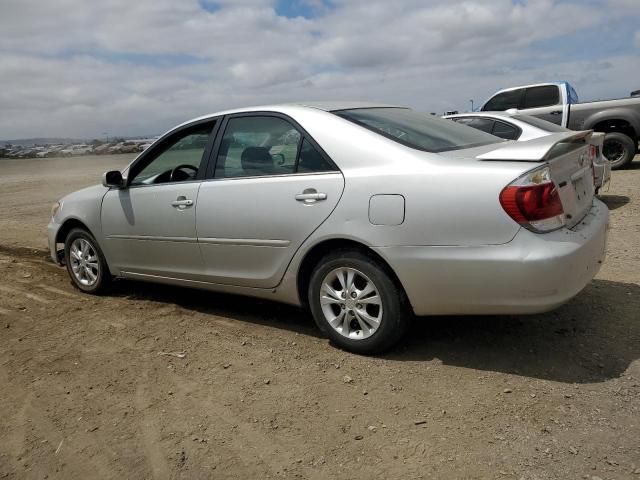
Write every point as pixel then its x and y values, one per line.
pixel 373 214
pixel 558 103
pixel 512 126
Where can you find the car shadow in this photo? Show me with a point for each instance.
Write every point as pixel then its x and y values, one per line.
pixel 614 201
pixel 634 164
pixel 234 307
pixel 593 338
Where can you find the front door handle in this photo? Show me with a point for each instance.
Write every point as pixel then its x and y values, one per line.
pixel 310 195
pixel 182 202
pixel 556 112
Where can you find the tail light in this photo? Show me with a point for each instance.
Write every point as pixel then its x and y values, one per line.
pixel 533 201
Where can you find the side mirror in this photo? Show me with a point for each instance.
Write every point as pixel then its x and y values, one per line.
pixel 113 179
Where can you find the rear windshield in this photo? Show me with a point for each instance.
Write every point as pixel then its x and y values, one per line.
pixel 539 123
pixel 418 130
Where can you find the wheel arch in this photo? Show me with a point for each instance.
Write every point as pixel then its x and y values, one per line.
pixel 68 225
pixel 622 122
pixel 313 256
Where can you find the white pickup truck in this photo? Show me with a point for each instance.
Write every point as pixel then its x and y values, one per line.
pixel 557 102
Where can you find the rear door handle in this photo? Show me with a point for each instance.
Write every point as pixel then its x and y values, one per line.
pixel 556 112
pixel 310 195
pixel 182 202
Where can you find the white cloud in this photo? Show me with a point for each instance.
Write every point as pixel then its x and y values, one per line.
pixel 71 67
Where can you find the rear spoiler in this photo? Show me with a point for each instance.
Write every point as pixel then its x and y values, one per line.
pixel 536 150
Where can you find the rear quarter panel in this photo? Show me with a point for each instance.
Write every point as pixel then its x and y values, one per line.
pixel 450 198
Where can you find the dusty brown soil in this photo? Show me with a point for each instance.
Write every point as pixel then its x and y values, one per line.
pixel 85 392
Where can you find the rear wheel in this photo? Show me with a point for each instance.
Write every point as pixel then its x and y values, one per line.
pixel 85 261
pixel 357 304
pixel 619 149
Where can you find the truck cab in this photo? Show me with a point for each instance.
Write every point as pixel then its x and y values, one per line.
pixel 548 101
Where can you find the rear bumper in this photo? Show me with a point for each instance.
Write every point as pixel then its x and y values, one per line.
pixel 533 273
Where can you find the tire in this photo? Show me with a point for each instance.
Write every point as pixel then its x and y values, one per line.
pixel 359 333
pixel 619 149
pixel 80 270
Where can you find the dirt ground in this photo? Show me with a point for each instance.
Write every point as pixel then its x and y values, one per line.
pixel 87 393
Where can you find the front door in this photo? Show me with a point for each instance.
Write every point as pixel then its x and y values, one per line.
pixel 272 187
pixel 150 226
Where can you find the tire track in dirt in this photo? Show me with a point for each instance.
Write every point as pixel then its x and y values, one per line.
pixel 30 296
pixel 47 288
pixel 149 432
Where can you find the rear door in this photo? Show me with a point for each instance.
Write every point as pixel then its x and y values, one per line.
pixel 272 186
pixel 545 102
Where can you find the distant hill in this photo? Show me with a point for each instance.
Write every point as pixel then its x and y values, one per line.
pixel 29 142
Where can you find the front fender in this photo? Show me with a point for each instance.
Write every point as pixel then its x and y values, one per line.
pixel 83 206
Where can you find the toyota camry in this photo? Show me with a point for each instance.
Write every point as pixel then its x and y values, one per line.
pixel 366 214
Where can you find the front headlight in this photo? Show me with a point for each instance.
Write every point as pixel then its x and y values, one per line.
pixel 54 208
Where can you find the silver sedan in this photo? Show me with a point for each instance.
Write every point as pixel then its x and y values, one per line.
pixel 365 214
pixel 514 126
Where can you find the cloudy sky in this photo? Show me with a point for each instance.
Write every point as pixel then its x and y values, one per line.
pixel 122 67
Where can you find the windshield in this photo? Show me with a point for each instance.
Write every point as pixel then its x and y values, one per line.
pixel 539 123
pixel 418 130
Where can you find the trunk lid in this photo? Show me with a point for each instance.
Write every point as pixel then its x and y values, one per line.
pixel 567 155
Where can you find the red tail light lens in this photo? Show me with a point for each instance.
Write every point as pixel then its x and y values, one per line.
pixel 533 201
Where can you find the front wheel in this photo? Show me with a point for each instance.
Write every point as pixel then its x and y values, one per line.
pixel 619 149
pixel 357 304
pixel 85 261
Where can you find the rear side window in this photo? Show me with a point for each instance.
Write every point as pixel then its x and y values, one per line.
pixel 504 101
pixel 254 146
pixel 539 123
pixel 417 130
pixel 311 160
pixel 506 131
pixel 484 124
pixel 544 96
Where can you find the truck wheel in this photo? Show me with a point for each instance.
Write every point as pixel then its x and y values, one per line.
pixel 619 149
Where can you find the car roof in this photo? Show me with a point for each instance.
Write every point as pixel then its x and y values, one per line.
pixel 333 105
pixel 327 106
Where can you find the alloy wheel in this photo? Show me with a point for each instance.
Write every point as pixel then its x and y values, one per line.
pixel 84 262
pixel 351 303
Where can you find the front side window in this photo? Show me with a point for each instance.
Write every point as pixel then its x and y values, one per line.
pixel 544 96
pixel 265 145
pixel 417 130
pixel 504 101
pixel 176 160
